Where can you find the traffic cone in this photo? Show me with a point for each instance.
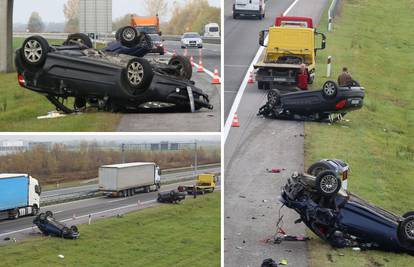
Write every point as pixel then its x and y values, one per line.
pixel 192 61
pixel 251 79
pixel 216 78
pixel 235 122
pixel 200 66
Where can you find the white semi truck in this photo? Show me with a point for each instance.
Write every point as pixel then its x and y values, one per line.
pixel 123 180
pixel 19 195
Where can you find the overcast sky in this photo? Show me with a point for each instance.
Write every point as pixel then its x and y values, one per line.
pixel 109 137
pixel 52 10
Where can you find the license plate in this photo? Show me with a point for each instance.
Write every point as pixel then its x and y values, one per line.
pixel 355 101
pixel 279 79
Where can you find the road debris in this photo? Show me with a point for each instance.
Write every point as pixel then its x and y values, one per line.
pixel 283 262
pixel 269 263
pixel 61 256
pixel 51 115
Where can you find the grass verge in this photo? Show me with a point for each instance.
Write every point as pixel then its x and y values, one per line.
pixel 377 141
pixel 187 234
pixel 20 107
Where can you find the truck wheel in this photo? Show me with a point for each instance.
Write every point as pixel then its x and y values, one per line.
pixel 329 89
pixel 138 75
pixel 34 51
pixel 328 183
pixel 128 36
pixel 183 66
pixel 147 189
pixel 80 39
pixel 15 215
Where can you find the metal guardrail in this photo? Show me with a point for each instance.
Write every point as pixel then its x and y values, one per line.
pixel 109 37
pixel 332 12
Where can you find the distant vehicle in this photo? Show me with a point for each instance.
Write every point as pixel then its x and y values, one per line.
pixel 205 183
pixel 253 8
pixel 146 24
pixel 212 30
pixel 191 39
pixel 19 195
pixel 123 180
pixel 49 226
pixel 157 44
pixel 170 197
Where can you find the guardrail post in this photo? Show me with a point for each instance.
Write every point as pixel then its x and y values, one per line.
pixel 89 219
pixel 329 67
pixel 329 24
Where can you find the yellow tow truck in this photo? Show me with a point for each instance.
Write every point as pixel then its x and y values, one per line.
pixel 205 183
pixel 291 43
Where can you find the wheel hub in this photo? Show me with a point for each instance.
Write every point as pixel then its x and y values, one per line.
pixel 129 34
pixel 409 229
pixel 329 89
pixel 33 51
pixel 329 184
pixel 135 73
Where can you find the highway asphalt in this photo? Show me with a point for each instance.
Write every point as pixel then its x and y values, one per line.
pixel 77 212
pixel 204 120
pixel 251 203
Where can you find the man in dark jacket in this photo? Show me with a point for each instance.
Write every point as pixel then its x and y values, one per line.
pixel 344 79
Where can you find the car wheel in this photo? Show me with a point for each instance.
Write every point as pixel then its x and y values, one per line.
pixel 273 97
pixel 328 183
pixel 139 75
pixel 329 89
pixel 74 229
pixel 49 213
pixel 35 210
pixel 35 49
pixel 318 167
pixel 183 66
pixel 354 83
pixel 128 36
pixel 65 231
pixel 79 38
pixel 118 34
pixel 406 229
pixel 407 214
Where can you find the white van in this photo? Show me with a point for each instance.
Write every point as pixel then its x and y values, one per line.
pixel 212 30
pixel 254 8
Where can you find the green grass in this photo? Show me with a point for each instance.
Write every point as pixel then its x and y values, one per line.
pixel 20 107
pixel 377 142
pixel 187 234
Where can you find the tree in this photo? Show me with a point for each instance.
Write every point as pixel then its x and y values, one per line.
pixel 122 21
pixel 71 11
pixel 156 7
pixel 35 23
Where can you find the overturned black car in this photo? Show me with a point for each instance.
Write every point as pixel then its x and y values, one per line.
pixel 107 80
pixel 170 197
pixel 342 218
pixel 330 103
pixel 49 226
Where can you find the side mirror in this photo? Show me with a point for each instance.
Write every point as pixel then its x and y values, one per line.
pixel 262 37
pixel 323 43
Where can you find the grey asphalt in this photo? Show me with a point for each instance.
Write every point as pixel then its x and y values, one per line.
pixel 77 212
pixel 92 187
pixel 251 203
pixel 204 120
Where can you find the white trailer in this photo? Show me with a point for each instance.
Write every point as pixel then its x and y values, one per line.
pixel 19 195
pixel 122 180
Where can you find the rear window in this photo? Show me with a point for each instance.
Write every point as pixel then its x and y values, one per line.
pixel 294 24
pixel 214 29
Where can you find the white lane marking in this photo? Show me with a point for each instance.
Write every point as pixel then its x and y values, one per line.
pixel 211 74
pixel 243 85
pixel 83 216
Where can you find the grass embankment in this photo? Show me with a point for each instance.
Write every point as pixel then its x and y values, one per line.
pixel 377 142
pixel 187 234
pixel 20 107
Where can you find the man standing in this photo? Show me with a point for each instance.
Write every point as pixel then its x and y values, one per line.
pixel 344 79
pixel 157 177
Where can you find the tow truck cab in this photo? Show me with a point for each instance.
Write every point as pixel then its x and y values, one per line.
pixel 291 43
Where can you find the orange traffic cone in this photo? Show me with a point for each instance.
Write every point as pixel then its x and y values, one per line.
pixel 216 78
pixel 235 122
pixel 251 79
pixel 192 61
pixel 200 66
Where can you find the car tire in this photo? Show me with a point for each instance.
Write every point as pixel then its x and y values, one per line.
pixel 329 89
pixel 273 97
pixel 318 167
pixel 406 229
pixel 185 70
pixel 73 228
pixel 138 75
pixel 49 213
pixel 328 183
pixel 65 231
pixel 34 51
pixel 407 214
pixel 128 36
pixel 79 38
pixel 35 210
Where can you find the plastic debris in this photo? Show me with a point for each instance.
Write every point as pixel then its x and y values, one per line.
pixel 51 115
pixel 61 256
pixel 356 249
pixel 283 262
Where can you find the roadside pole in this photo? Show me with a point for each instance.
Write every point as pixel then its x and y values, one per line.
pixel 195 158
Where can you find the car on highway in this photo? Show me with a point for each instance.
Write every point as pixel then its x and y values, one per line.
pixel 191 40
pixel 330 103
pixel 250 8
pixel 108 81
pixel 344 219
pixel 157 44
pixel 212 30
pixel 49 226
pixel 170 197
